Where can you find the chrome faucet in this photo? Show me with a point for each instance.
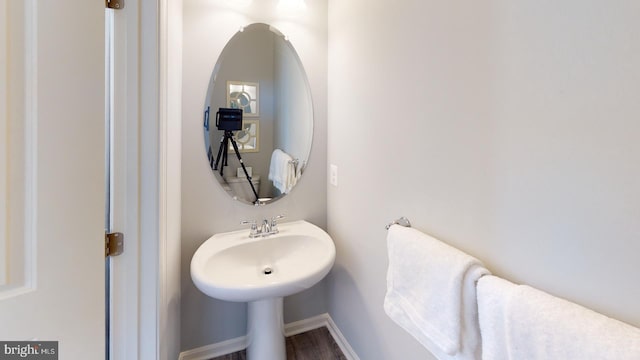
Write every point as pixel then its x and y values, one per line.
pixel 253 233
pixel 265 229
pixel 268 227
pixel 274 223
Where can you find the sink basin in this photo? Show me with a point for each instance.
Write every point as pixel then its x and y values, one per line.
pixel 261 271
pixel 231 266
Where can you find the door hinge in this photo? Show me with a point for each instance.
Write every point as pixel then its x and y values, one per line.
pixel 113 244
pixel 114 4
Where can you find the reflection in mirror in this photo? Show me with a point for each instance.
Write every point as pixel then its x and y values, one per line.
pixel 247 138
pixel 243 95
pixel 260 73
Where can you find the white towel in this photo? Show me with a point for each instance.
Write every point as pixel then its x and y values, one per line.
pixel 431 293
pixel 540 326
pixel 282 171
pixel 493 293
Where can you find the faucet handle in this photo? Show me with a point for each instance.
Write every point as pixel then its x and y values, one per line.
pixel 274 223
pixel 274 219
pixel 254 227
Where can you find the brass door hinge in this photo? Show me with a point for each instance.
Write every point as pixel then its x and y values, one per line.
pixel 114 4
pixel 113 244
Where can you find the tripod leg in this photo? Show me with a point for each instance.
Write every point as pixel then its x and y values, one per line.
pixel 225 148
pixel 246 173
pixel 225 154
pixel 215 165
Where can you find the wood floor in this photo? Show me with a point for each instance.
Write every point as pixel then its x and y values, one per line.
pixel 317 344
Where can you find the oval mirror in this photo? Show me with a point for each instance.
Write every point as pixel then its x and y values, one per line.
pixel 258 116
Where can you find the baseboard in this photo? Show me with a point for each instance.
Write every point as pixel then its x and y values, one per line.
pixel 214 350
pixel 304 325
pixel 342 342
pixel 230 346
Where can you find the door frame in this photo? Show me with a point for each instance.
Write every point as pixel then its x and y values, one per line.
pixel 170 156
pixel 146 316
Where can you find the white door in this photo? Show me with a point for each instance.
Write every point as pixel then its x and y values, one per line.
pixel 52 174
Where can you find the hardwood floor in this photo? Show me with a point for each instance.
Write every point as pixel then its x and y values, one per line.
pixel 317 344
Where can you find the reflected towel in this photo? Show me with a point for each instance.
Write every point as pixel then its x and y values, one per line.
pixel 282 171
pixel 431 293
pixel 537 325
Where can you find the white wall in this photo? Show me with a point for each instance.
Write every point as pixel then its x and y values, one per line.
pixel 206 207
pixel 507 129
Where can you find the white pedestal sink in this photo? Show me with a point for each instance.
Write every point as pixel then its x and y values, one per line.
pixel 261 271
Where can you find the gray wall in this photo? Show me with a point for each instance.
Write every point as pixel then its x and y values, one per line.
pixel 508 129
pixel 206 207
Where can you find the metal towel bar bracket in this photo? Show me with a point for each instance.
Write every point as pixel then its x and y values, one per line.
pixel 403 221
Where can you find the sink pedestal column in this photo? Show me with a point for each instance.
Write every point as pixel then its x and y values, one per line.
pixel 266 330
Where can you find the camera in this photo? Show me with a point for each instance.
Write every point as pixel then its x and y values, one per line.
pixel 229 119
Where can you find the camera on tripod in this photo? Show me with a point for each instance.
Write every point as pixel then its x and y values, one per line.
pixel 229 119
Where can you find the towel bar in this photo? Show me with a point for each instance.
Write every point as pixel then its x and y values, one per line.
pixel 403 221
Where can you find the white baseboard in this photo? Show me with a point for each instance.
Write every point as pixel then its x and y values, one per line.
pixel 342 342
pixel 296 327
pixel 214 350
pixel 304 325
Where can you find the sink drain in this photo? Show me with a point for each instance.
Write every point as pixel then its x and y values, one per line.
pixel 267 271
